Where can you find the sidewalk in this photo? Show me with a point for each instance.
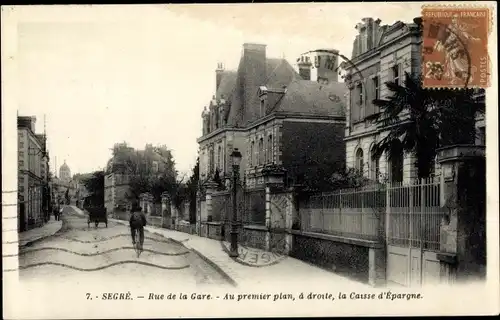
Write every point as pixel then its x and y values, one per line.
pixel 47 230
pixel 288 270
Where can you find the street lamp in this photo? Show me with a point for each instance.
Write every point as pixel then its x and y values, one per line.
pixel 235 160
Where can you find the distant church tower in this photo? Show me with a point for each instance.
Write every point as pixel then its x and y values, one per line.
pixel 64 172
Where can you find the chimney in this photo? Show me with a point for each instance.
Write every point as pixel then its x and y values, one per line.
pixel 33 122
pixel 218 75
pixel 305 67
pixel 254 75
pixel 328 65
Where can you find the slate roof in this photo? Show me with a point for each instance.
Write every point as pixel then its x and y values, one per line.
pixel 301 96
pixel 279 73
pixel 310 97
pixel 226 85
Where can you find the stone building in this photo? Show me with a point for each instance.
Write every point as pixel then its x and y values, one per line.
pixel 116 187
pixel 33 160
pixel 274 115
pixel 65 172
pixel 380 53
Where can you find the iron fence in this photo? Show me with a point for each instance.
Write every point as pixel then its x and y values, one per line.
pixel 254 211
pixel 415 214
pixel 352 213
pixel 221 206
pixel 411 212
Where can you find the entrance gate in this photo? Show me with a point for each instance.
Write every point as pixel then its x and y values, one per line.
pixel 413 229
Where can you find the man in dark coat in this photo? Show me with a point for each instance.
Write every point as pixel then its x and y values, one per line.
pixel 137 222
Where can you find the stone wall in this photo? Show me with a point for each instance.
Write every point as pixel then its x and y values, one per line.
pixel 332 254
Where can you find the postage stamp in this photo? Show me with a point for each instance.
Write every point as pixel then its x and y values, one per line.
pixel 455 46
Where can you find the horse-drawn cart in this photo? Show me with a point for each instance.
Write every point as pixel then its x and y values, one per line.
pixel 97 215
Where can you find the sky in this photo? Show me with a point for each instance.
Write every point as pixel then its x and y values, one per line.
pixel 142 74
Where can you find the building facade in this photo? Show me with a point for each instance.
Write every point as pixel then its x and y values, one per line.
pixel 275 116
pixel 116 189
pixel 381 53
pixel 33 168
pixel 65 172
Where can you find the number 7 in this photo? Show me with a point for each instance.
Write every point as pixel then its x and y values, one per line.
pixel 88 295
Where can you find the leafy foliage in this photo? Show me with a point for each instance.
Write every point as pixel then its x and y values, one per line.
pixel 95 186
pixel 421 120
pixel 150 170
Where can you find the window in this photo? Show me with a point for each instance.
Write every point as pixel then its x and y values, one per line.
pixel 376 88
pixel 397 163
pixel 21 153
pixel 252 146
pixel 375 167
pixel 155 166
pixel 395 74
pixel 21 163
pixel 211 161
pixel 21 144
pixel 359 160
pixel 261 151
pixel 481 136
pixel 219 157
pixel 270 149
pixel 360 94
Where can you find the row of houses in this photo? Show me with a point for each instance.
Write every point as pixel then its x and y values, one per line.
pixel 38 191
pixel 33 175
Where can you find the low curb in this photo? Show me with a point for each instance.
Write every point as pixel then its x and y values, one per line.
pixel 32 242
pixel 214 265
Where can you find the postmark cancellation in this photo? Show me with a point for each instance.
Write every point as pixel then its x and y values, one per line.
pixel 455 46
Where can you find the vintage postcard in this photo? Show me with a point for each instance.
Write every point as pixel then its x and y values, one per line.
pixel 249 160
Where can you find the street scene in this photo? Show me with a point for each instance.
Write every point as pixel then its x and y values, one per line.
pixel 108 253
pixel 193 151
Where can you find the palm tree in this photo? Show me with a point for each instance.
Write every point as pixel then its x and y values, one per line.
pixel 421 120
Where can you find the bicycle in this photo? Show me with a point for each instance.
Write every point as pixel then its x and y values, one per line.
pixel 137 246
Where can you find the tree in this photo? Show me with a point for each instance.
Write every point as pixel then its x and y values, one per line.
pixel 192 188
pixel 95 186
pixel 420 120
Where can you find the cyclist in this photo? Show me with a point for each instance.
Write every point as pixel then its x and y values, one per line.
pixel 137 222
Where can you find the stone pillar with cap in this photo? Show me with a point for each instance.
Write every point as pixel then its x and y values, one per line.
pixel 463 228
pixel 274 182
pixel 165 210
pixel 211 187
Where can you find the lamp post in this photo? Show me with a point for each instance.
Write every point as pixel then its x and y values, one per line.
pixel 235 160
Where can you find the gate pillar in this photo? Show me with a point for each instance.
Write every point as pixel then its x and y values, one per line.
pixel 463 229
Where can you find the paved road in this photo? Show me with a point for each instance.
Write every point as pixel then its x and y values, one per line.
pixel 79 253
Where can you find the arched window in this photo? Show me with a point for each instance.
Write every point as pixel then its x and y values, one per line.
pixel 375 167
pixel 359 160
pixel 270 149
pixel 397 163
pixel 261 151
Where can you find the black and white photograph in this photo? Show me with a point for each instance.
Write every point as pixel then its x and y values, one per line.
pixel 249 160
